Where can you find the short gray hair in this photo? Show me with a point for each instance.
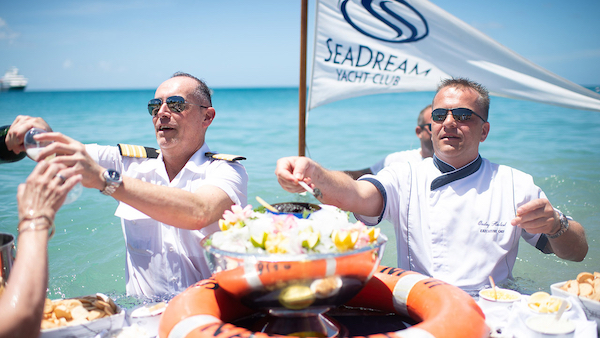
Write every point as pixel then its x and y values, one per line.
pixel 421 118
pixel 202 92
pixel 484 95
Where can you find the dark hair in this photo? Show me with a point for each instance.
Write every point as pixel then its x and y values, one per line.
pixel 484 95
pixel 202 92
pixel 421 118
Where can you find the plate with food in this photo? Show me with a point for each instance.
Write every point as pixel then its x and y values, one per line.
pixel 84 316
pixel 586 287
pixel 543 302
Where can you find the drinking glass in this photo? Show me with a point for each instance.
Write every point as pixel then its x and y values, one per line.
pixel 33 148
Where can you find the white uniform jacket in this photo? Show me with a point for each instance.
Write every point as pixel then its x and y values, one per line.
pixel 459 232
pixel 162 259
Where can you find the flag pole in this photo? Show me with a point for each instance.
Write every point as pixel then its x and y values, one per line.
pixel 302 86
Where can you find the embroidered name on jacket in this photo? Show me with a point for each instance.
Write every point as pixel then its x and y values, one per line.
pixel 493 227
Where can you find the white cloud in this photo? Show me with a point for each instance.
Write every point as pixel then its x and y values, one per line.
pixel 67 64
pixel 6 33
pixel 85 8
pixel 104 65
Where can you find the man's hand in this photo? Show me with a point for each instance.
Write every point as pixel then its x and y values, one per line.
pixel 290 170
pixel 18 129
pixel 537 216
pixel 337 187
pixel 72 154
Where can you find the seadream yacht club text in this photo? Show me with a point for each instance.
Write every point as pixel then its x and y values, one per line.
pixel 368 65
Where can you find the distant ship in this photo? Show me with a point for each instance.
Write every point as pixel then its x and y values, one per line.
pixel 12 80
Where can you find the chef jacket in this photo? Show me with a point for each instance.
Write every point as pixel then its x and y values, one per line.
pixel 459 232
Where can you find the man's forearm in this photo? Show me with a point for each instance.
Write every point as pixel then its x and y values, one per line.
pixel 341 190
pixel 571 245
pixel 174 206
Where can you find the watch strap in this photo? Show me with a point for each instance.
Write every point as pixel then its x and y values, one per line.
pixel 564 226
pixel 110 185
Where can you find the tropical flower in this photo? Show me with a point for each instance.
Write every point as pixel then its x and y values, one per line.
pixel 324 231
pixel 236 217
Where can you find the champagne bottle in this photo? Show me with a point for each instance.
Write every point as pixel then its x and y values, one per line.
pixel 6 155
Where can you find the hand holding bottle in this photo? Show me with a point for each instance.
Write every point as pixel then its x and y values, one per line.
pixel 16 133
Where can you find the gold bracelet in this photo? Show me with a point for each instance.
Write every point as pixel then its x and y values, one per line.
pixel 33 225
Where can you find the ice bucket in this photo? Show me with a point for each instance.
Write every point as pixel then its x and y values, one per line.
pixel 291 283
pixel 7 255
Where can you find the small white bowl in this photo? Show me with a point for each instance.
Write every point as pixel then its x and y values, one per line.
pixel 563 299
pixel 148 317
pixel 505 298
pixel 544 326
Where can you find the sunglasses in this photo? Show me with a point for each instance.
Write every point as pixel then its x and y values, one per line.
pixel 175 103
pixel 459 114
pixel 426 126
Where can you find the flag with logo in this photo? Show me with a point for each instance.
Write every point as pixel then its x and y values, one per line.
pixel 365 47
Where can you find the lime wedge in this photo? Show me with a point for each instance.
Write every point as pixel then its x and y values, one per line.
pixel 259 239
pixel 312 240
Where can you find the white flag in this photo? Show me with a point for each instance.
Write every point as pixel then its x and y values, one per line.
pixel 365 47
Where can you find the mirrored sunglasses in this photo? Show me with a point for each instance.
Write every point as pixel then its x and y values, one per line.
pixel 175 103
pixel 459 114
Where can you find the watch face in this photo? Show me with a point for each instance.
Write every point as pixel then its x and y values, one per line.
pixel 114 175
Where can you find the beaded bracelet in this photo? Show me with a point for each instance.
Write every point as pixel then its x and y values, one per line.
pixel 33 225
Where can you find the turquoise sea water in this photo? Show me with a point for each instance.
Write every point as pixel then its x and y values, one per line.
pixel 559 147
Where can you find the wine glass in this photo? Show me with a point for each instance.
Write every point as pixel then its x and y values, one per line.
pixel 33 149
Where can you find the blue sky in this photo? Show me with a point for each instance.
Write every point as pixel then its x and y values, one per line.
pixel 68 44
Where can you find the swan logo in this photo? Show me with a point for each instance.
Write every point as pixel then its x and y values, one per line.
pixel 399 22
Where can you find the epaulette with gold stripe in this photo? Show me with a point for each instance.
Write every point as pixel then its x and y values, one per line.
pixel 224 157
pixel 128 150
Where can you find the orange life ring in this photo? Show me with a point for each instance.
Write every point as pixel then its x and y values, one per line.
pixel 443 310
pixel 246 277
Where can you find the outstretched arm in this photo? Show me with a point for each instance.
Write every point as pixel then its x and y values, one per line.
pixel 337 187
pixel 538 216
pixel 173 206
pixel 22 302
pixel 356 174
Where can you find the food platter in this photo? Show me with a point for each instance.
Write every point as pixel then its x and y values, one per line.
pixel 590 307
pixel 88 328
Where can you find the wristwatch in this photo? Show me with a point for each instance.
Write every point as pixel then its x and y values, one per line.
pixel 564 225
pixel 113 181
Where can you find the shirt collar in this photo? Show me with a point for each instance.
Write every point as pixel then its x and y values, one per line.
pixel 194 164
pixel 451 174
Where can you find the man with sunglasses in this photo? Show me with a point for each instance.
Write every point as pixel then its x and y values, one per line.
pixel 423 131
pixel 168 199
pixel 457 216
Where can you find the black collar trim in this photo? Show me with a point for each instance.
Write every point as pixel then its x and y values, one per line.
pixel 451 174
